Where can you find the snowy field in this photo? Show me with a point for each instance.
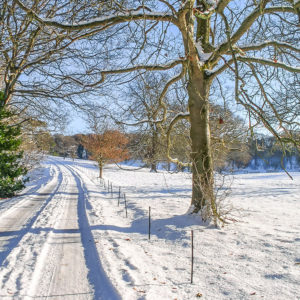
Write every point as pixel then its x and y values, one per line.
pixel 67 237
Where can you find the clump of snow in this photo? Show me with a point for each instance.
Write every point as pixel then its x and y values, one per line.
pixel 202 56
pixel 212 2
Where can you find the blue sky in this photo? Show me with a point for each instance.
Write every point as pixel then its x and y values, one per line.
pixel 76 125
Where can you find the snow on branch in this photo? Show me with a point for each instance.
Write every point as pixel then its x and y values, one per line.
pixel 141 122
pixel 178 117
pixel 202 55
pixel 269 43
pixel 104 21
pixel 136 68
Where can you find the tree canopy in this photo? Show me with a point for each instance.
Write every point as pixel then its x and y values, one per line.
pixel 253 45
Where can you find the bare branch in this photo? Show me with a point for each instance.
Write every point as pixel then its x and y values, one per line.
pixel 265 44
pixel 104 21
pixel 221 5
pixel 245 25
pixel 269 63
pixel 169 6
pixel 177 118
pixel 168 84
pixel 135 68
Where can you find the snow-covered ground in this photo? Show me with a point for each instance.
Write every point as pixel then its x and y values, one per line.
pixel 67 237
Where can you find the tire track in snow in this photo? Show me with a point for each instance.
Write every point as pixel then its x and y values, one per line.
pixel 103 288
pixel 17 232
pixel 48 224
pixel 60 272
pixel 22 276
pixel 24 248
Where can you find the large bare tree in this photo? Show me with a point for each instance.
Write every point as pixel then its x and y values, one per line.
pixel 254 43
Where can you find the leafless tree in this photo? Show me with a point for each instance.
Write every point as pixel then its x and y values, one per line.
pixel 254 43
pixel 140 110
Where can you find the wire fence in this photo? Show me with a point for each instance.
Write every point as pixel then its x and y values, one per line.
pixel 119 195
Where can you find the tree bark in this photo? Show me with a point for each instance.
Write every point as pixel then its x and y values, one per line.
pixel 153 154
pixel 100 164
pixel 198 92
pixel 202 163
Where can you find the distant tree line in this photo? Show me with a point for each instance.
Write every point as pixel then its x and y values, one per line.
pixel 267 154
pixel 237 152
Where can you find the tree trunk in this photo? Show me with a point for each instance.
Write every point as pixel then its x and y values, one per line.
pixel 153 167
pixel 153 154
pixel 198 92
pixel 100 164
pixel 202 164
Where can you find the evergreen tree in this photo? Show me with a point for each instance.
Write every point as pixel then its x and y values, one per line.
pixel 11 168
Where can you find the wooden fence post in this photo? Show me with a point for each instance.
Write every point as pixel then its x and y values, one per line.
pixel 192 256
pixel 119 196
pixel 149 224
pixel 125 202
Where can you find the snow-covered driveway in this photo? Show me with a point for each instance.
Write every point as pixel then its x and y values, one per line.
pixel 47 248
